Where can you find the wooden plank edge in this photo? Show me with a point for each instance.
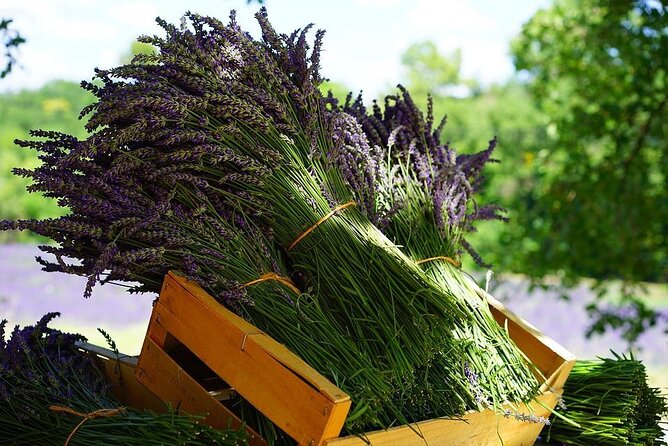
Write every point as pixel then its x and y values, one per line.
pixel 273 348
pixel 106 353
pixel 550 343
pixel 120 373
pixel 439 428
pixel 216 410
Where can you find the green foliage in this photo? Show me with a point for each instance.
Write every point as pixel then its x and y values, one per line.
pixel 337 89
pixel 11 40
pixel 135 49
pixel 599 71
pixel 54 106
pixel 426 65
pixel 430 72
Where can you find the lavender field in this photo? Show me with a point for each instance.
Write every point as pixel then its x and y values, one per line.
pixel 26 293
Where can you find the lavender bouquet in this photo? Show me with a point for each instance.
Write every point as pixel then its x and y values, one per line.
pixel 48 387
pixel 218 130
pixel 422 195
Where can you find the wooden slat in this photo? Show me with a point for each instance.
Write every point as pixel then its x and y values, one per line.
pixel 296 398
pixel 120 373
pixel 277 350
pixel 553 360
pixel 158 372
pixel 485 428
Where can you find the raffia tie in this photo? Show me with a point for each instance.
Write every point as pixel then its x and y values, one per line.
pixel 102 413
pixel 321 221
pixel 447 259
pixel 273 276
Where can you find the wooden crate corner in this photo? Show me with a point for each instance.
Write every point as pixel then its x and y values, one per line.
pixel 299 400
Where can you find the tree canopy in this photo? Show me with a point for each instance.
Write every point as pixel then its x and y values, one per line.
pixel 598 70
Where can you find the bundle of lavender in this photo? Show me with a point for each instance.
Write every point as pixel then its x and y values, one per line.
pixel 612 404
pixel 52 393
pixel 422 195
pixel 217 130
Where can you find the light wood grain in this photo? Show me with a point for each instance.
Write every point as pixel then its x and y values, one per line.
pixel 277 350
pixel 120 373
pixel 157 371
pixel 485 428
pixel 282 386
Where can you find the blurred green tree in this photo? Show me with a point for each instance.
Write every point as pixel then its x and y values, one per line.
pixel 428 71
pixel 599 207
pixel 135 49
pixel 55 106
pixel 338 89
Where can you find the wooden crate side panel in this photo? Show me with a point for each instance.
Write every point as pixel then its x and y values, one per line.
pixel 540 355
pixel 553 360
pixel 275 349
pixel 485 428
pixel 124 386
pixel 164 377
pixel 290 402
pixel 526 327
pixel 552 364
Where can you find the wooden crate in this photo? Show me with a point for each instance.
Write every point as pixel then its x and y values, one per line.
pixel 298 399
pixel 184 393
pixel 278 383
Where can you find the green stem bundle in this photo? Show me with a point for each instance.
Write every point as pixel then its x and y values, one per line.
pixel 612 403
pixel 503 373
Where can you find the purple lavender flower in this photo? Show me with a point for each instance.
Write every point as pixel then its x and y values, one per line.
pixel 474 383
pixel 411 139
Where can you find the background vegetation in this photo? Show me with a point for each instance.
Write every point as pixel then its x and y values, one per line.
pixel 583 140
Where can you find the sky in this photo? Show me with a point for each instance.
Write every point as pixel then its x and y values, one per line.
pixel 67 39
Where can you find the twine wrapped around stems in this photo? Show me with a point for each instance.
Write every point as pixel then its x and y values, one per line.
pixel 273 276
pixel 86 416
pixel 321 221
pixel 446 258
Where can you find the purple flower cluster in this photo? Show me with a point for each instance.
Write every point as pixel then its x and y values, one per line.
pixel 170 170
pixel 360 164
pixel 474 382
pixel 42 358
pixel 411 138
